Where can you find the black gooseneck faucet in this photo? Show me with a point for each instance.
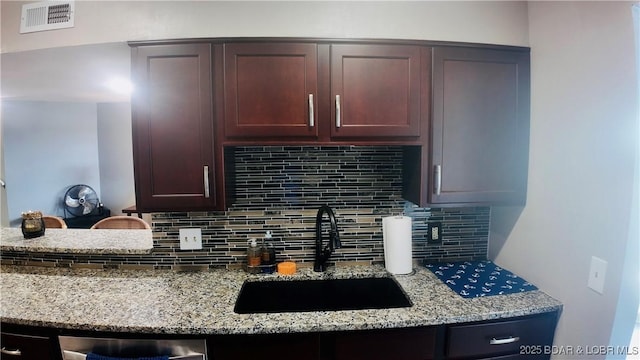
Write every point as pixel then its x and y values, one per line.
pixel 322 254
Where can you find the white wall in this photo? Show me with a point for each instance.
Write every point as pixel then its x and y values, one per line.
pixel 584 139
pixel 47 148
pixel 498 22
pixel 68 74
pixel 115 152
pixel 65 144
pixel 4 207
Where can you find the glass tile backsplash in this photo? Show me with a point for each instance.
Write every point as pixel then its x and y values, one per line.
pixel 280 188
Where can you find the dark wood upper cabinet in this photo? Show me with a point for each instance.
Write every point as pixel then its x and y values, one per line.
pixel 271 90
pixel 460 112
pixel 375 90
pixel 479 130
pixel 173 129
pixel 327 92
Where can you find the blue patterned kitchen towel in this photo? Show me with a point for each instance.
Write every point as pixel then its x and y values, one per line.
pixel 479 278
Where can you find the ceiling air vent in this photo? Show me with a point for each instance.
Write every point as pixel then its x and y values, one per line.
pixel 46 15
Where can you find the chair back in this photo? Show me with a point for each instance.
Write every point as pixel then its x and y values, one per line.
pixel 54 222
pixel 121 222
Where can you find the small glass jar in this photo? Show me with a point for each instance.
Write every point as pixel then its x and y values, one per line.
pixel 32 224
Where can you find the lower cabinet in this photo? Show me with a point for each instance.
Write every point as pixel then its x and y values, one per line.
pixel 525 337
pixel 397 344
pixel 27 347
pixel 266 346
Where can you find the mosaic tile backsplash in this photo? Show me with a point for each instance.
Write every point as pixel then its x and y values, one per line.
pixel 280 188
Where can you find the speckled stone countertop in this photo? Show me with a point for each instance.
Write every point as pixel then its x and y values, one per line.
pixel 79 241
pixel 169 302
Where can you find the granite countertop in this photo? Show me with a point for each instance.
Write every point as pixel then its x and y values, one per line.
pixel 80 241
pixel 170 302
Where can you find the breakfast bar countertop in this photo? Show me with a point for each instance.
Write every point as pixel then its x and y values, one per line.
pixel 79 241
pixel 202 302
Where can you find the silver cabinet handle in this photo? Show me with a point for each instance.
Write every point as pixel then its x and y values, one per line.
pixel 311 112
pixel 437 175
pixel 508 340
pixel 337 111
pixel 15 352
pixel 206 181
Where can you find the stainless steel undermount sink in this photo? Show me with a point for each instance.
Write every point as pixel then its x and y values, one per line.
pixel 320 295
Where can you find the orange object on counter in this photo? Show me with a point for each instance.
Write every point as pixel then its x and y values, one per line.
pixel 287 268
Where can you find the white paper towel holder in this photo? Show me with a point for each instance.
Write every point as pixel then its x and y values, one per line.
pixel 397 241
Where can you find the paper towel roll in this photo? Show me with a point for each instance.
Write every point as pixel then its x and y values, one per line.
pixel 396 234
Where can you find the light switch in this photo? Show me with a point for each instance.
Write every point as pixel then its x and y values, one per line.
pixel 597 273
pixel 190 239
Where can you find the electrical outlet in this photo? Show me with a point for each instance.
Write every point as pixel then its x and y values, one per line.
pixel 597 273
pixel 434 232
pixel 190 239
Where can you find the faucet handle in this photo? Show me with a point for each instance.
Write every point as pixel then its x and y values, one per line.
pixel 334 239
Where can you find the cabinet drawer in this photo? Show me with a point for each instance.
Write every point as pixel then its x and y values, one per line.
pixel 26 347
pixel 500 338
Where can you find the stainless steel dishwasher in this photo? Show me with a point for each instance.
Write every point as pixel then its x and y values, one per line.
pixel 77 348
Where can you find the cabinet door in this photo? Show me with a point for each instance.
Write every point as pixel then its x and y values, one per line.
pixel 480 129
pixel 271 90
pixel 397 344
pixel 27 347
pixel 264 346
pixel 375 90
pixel 173 127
